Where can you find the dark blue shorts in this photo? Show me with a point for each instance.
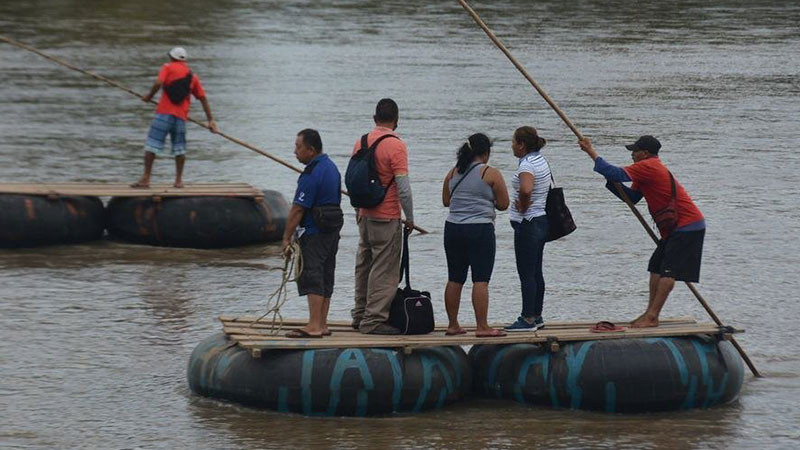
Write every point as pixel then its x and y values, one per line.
pixel 678 256
pixel 469 245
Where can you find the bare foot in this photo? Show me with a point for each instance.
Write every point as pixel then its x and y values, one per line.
pixel 491 332
pixel 454 331
pixel 645 321
pixel 326 331
pixel 178 184
pixel 141 184
pixel 301 333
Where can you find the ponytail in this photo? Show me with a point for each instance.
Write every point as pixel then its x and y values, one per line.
pixel 476 145
pixel 529 138
pixel 465 157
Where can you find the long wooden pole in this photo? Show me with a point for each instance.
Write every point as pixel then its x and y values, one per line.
pixel 622 193
pixel 121 86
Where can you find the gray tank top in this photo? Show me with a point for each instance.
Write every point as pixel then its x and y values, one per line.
pixel 473 199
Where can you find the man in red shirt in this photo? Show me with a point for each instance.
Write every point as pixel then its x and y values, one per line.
pixel 179 85
pixel 681 224
pixel 379 228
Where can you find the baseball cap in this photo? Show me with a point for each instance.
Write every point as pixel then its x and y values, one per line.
pixel 177 53
pixel 647 143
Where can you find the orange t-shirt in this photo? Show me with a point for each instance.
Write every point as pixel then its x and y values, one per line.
pixel 170 72
pixel 651 178
pixel 391 157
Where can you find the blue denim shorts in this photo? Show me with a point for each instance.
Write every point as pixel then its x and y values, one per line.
pixel 162 125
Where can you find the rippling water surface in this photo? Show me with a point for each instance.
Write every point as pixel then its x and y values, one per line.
pixel 94 338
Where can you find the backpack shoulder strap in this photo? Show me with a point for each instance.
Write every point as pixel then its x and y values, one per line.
pixel 378 141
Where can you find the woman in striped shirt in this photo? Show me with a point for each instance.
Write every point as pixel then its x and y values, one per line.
pixel 530 185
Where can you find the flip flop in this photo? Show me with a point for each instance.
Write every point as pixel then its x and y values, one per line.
pixel 302 334
pixel 494 333
pixel 327 333
pixel 140 185
pixel 456 333
pixel 605 326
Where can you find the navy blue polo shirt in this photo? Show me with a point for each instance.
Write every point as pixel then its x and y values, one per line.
pixel 319 184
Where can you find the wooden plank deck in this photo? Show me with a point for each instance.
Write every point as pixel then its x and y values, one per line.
pixel 262 336
pixel 97 189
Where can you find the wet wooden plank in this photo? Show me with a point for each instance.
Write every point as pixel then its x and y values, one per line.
pixel 260 337
pixel 124 189
pixel 345 325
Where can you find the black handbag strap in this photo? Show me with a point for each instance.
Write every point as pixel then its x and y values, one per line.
pixel 672 182
pixel 552 180
pixel 463 177
pixel 404 265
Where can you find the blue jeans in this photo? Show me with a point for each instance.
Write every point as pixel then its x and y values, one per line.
pixel 529 239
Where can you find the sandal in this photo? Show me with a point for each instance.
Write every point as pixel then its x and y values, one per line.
pixel 490 334
pixel 302 334
pixel 605 326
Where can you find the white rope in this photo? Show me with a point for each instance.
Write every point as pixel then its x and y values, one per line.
pixel 292 269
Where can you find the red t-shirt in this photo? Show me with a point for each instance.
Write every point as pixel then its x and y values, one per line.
pixel 391 157
pixel 651 177
pixel 170 72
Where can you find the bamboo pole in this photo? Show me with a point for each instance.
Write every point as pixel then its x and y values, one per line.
pixel 117 85
pixel 624 196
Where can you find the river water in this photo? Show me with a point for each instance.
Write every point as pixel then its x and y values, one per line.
pixel 94 338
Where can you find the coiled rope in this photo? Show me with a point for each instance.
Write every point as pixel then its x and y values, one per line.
pixel 292 269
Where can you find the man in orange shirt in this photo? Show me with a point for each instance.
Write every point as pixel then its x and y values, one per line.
pixel 380 242
pixel 680 250
pixel 179 84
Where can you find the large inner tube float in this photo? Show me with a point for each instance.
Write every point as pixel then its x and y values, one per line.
pixel 197 222
pixel 619 375
pixel 33 220
pixel 330 382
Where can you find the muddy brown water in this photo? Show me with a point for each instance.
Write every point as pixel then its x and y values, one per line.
pixel 94 338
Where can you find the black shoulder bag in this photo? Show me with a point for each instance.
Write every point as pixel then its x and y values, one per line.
pixel 178 90
pixel 559 218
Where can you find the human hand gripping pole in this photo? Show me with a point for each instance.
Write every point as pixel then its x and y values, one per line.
pixel 617 185
pixel 212 125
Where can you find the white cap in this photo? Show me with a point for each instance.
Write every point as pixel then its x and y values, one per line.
pixel 177 53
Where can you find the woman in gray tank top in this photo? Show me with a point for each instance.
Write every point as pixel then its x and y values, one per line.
pixel 472 190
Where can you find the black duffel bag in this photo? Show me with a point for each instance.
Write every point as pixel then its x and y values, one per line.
pixel 412 311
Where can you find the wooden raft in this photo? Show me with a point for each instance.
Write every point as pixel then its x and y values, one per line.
pixel 125 190
pixel 261 335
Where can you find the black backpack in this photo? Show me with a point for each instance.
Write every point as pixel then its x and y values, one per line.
pixel 411 311
pixel 361 177
pixel 178 90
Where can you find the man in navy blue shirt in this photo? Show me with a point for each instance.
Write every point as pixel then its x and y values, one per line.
pixel 316 218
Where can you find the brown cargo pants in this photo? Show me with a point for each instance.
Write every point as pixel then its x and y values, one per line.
pixel 377 270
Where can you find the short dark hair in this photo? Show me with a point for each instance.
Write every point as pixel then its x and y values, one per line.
pixel 312 139
pixel 386 111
